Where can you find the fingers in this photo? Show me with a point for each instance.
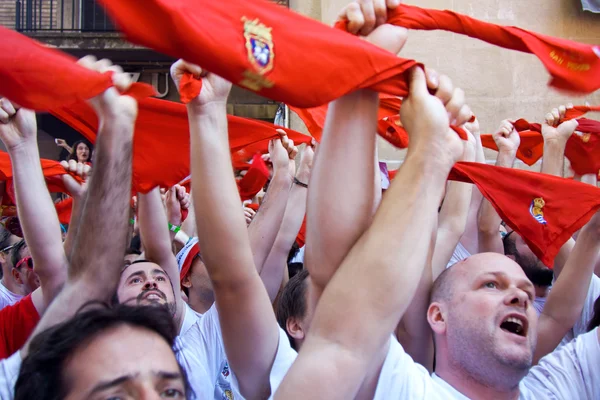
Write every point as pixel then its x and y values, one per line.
pixel 455 104
pixel 463 116
pixel 380 8
pixel 287 144
pixel 505 128
pixel 7 110
pixel 418 83
pixel 445 89
pixel 391 4
pixel 433 78
pixel 368 11
pixel 354 15
pixel 121 80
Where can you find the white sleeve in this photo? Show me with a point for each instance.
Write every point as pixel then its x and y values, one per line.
pixel 587 312
pixel 9 372
pixel 570 372
pixel 284 359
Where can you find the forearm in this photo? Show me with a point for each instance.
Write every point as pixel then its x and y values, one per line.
pixel 452 223
pixel 566 299
pixel 99 248
pixel 73 231
pixel 37 214
pixel 267 222
pixel 341 196
pixel 153 223
pixel 219 218
pixel 470 238
pixel 553 160
pixel 274 267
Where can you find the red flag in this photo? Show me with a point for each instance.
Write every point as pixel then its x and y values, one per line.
pixel 161 147
pixel 40 78
pixel 579 111
pixel 583 150
pixel 545 210
pixel 573 66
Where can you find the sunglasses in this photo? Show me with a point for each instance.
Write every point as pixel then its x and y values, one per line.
pixel 8 248
pixel 27 261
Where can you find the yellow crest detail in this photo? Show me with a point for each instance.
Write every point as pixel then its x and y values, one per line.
pixel 535 209
pixel 260 52
pixel 586 137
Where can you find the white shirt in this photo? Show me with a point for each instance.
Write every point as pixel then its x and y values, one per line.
pixel 7 298
pixel 9 372
pixel 460 253
pixel 201 352
pixel 567 373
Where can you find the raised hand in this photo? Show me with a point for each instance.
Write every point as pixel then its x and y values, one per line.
pixel 280 151
pixel 76 169
pixel 177 199
pixel 553 129
pixel 17 125
pixel 214 88
pixel 427 117
pixel 365 15
pixel 306 161
pixel 507 138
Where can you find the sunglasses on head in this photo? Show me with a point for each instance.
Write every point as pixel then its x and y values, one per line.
pixel 8 248
pixel 27 261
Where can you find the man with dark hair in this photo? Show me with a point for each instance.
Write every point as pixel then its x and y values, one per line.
pixel 293 313
pixel 516 249
pixel 22 269
pixel 104 352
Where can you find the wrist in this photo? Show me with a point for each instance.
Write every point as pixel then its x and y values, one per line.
pixel 174 228
pixel 25 147
pixel 202 109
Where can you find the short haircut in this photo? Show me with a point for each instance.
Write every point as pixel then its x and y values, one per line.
pixel 292 303
pixel 4 238
pixel 509 244
pixel 595 321
pixel 41 375
pixel 15 255
pixel 442 289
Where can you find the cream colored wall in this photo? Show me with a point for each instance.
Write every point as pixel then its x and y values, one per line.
pixel 498 83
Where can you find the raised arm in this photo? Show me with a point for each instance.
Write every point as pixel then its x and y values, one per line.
pixel 470 237
pixel 567 297
pixel 37 214
pixel 78 194
pixel 248 325
pixel 508 140
pixel 98 252
pixel 265 224
pixel 370 292
pixel 453 215
pixel 275 265
pixel 156 239
pixel 556 135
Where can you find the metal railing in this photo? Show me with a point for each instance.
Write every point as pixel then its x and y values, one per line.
pixel 61 16
pixel 67 15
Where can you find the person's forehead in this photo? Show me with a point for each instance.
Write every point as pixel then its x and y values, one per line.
pixel 476 267
pixel 147 268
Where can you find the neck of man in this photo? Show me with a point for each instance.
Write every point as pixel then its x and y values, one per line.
pixel 9 282
pixel 472 387
pixel 200 303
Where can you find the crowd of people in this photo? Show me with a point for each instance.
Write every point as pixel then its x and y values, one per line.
pixel 412 290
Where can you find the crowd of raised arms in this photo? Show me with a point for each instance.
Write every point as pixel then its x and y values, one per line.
pixel 414 288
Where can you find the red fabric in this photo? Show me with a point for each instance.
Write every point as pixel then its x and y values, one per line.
pixel 579 111
pixel 301 238
pixel 530 150
pixel 189 88
pixel 255 179
pixel 568 204
pixel 187 29
pixel 583 151
pixel 161 147
pixel 41 78
pixel 573 66
pixel 17 322
pixel 253 206
pixel 187 263
pixel 63 210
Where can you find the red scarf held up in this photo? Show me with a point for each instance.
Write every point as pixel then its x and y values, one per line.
pixel 255 179
pixel 41 78
pixel 161 147
pixel 573 66
pixel 258 48
pixel 545 210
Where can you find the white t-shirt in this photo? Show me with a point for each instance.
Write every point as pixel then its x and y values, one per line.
pixel 9 372
pixel 7 298
pixel 460 253
pixel 201 353
pixel 567 373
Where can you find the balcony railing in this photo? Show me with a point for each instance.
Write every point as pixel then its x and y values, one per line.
pixel 68 15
